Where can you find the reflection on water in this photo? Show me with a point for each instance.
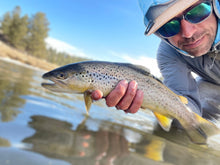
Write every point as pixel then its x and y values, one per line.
pixel 111 143
pixel 4 142
pixel 56 139
pixel 39 127
pixel 13 84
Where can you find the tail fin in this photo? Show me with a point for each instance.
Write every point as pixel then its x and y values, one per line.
pixel 204 129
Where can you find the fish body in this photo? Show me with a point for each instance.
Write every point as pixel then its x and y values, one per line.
pixel 85 77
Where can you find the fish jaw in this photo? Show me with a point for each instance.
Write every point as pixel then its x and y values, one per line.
pixel 56 85
pixel 71 84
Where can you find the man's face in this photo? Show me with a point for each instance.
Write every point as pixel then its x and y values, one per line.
pixel 196 39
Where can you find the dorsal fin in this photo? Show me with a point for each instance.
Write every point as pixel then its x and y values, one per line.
pixel 142 69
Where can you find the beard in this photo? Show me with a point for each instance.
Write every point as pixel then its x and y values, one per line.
pixel 206 40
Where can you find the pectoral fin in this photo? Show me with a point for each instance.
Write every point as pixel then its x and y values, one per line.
pixel 88 101
pixel 165 122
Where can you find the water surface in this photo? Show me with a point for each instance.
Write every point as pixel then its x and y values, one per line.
pixel 38 127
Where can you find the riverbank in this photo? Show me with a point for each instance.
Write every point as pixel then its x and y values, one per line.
pixel 7 51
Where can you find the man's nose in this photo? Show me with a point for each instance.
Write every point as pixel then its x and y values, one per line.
pixel 187 29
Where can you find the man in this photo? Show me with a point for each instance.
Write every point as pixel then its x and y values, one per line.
pixel 190 42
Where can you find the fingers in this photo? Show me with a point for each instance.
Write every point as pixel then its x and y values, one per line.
pixel 126 97
pixel 127 100
pixel 96 95
pixel 137 102
pixel 116 94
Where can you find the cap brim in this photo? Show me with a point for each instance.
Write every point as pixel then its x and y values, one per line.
pixel 172 11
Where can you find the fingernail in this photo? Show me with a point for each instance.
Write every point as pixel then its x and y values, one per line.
pixel 97 95
pixel 124 82
pixel 134 84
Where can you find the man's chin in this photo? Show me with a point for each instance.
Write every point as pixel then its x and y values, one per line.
pixel 196 52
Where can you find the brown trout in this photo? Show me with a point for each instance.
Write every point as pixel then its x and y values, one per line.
pixel 85 77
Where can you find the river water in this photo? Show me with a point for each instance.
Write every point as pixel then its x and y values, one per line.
pixel 38 127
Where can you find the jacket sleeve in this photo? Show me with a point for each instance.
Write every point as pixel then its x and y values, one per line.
pixel 177 75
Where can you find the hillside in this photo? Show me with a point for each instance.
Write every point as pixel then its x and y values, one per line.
pixel 12 53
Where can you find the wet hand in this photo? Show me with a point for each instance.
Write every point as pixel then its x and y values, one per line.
pixel 125 96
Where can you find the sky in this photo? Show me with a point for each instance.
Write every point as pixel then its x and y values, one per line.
pixel 109 30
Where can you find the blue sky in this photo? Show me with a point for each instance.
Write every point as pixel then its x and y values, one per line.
pixel 111 30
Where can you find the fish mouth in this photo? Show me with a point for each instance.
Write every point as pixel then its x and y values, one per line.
pixel 50 84
pixel 53 84
pixel 45 85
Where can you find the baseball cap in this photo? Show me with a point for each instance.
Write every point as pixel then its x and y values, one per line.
pixel 158 12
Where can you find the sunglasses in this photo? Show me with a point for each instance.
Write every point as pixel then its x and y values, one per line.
pixel 194 15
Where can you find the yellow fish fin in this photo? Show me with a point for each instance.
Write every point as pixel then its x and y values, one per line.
pixel 165 122
pixel 88 101
pixel 203 129
pixel 154 150
pixel 183 99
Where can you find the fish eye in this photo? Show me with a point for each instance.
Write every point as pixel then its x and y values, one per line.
pixel 61 76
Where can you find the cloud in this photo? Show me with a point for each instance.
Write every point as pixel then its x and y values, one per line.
pixel 62 46
pixel 143 60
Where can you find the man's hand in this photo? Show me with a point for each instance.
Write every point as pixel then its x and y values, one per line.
pixel 125 96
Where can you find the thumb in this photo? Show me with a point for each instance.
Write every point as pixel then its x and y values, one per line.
pixel 96 94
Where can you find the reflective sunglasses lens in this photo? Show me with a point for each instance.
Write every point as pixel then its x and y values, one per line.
pixel 170 29
pixel 199 13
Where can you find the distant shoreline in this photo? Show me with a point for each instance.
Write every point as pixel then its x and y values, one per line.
pixel 7 51
pixel 10 60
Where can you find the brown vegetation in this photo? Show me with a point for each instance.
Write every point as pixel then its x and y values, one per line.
pixel 12 53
